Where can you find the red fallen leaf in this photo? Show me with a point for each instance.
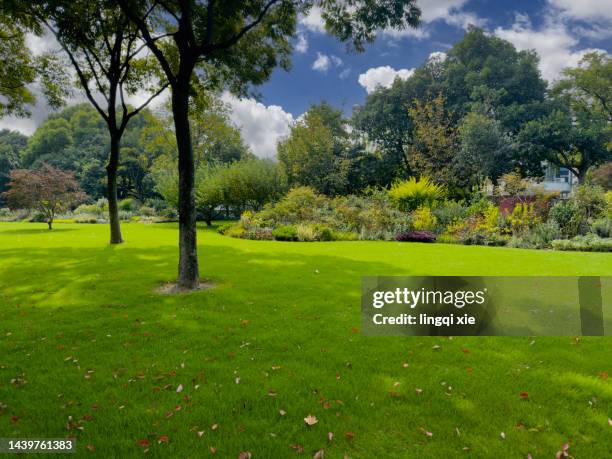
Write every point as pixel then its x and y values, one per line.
pixel 298 448
pixel 244 455
pixel 163 439
pixel 349 436
pixel 327 405
pixel 354 330
pixel 144 443
pixel 156 389
pixel 603 375
pixel 466 351
pixel 426 432
pixel 90 447
pixel 87 417
pixel 169 414
pixel 14 419
pixel 469 370
pixel 319 454
pixel 524 395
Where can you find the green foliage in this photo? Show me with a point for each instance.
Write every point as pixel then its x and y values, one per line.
pixel 285 233
pixel 523 218
pixel 423 219
pixel 449 212
pixel 128 205
pixel 411 194
pixel 12 144
pixel 567 216
pixel 602 227
pixel 587 243
pixel 602 176
pixel 538 237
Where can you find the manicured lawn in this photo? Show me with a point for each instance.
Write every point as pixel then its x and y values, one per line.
pixel 87 345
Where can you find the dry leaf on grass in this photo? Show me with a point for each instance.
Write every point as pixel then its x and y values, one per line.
pixel 310 420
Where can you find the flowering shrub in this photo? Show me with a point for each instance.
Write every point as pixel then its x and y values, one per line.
pixel 423 219
pixel 415 236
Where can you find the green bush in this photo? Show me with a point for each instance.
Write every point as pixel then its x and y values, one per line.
pixel 345 236
pixel 259 234
pixel 567 217
pixel 587 243
pixel 84 218
pixel 602 227
pixel 285 233
pixel 306 233
pixel 323 233
pixel 411 194
pixel 539 237
pixel 89 209
pixel 128 205
pixel 221 229
pixel 147 211
pixel 449 212
pixel 235 231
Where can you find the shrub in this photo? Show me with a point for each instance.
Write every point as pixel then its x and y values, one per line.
pixel 221 229
pixel 89 209
pixel 345 236
pixel 305 233
pixel 567 217
pixel 235 231
pixel 411 194
pixel 587 243
pixel 146 211
pixel 608 197
pixel 415 236
pixel 449 212
pixel 446 238
pixel 423 219
pixel 590 201
pixel 323 233
pixel 285 233
pixel 128 205
pixel 124 215
pixel 84 218
pixel 602 176
pixel 540 237
pixel 259 234
pixel 602 227
pixel 522 218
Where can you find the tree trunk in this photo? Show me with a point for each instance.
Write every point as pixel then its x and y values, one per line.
pixel 111 191
pixel 188 274
pixel 50 224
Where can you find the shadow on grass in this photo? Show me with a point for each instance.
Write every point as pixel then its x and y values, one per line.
pixel 18 231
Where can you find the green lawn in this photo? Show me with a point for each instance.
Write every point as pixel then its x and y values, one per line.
pixel 89 349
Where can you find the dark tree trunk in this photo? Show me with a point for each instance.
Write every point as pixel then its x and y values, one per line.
pixel 188 275
pixel 111 191
pixel 50 224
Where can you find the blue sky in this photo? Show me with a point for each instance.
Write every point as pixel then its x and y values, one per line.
pixel 561 31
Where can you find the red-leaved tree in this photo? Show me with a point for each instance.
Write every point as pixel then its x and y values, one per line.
pixel 47 190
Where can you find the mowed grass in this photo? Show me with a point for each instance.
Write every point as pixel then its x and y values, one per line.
pixel 88 349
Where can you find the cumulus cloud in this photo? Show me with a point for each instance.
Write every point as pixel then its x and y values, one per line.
pixel 261 126
pixel 313 20
pixel 323 62
pixel 555 45
pixel 382 76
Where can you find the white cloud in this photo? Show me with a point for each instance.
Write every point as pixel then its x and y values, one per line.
pixel 345 73
pixel 261 126
pixel 302 44
pixel 555 45
pixel 584 9
pixel 321 63
pixel 437 56
pixel 382 76
pixel 313 20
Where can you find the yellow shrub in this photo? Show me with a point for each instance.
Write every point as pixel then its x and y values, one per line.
pixel 423 219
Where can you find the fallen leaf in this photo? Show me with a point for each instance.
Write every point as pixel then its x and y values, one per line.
pixel 503 435
pixel 466 351
pixel 319 454
pixel 282 412
pixel 237 380
pixel 200 433
pixel 404 365
pixel 144 443
pixel 603 375
pixel 610 421
pixel 272 393
pixel 330 436
pixel 244 455
pixel 396 384
pixel 214 427
pixel 418 391
pixel 213 450
pixel 14 419
pixel 298 448
pixel 162 439
pixel 435 347
pixel 349 436
pixel 90 447
pixel 524 395
pixel 426 432
pixel 179 388
pixel 310 420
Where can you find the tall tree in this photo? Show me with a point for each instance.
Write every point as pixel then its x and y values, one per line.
pixel 236 43
pixel 104 49
pixel 12 144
